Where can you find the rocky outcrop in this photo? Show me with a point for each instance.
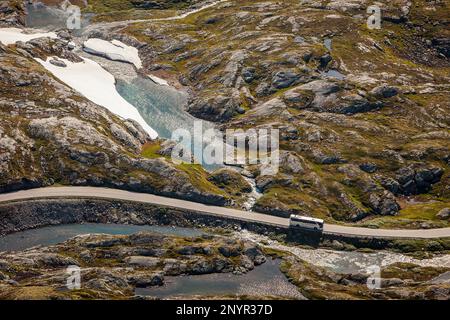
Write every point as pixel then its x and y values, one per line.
pixel 414 179
pixel 106 275
pixel 12 13
pixel 219 108
pixel 328 96
pixel 384 91
pixel 444 214
pixel 231 180
pixel 45 47
pixel 398 282
pixel 384 203
pixel 340 98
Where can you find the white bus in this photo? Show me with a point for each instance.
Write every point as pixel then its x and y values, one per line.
pixel 296 221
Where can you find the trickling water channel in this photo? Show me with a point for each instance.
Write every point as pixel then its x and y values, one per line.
pixel 345 261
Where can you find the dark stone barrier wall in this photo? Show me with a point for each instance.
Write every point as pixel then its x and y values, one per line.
pixel 29 214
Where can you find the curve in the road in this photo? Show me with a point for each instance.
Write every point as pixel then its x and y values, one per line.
pixel 171 18
pixel 115 194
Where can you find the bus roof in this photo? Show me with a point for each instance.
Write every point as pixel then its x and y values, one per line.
pixel 306 218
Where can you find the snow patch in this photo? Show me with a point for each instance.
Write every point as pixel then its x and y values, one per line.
pixel 157 80
pixel 97 85
pixel 12 35
pixel 114 50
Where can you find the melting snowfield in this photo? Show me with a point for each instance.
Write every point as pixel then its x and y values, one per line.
pixel 12 35
pixel 88 77
pixel 98 85
pixel 114 50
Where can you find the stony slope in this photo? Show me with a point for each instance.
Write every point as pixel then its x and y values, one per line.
pixel 50 134
pixel 112 267
pixel 363 114
pixel 356 144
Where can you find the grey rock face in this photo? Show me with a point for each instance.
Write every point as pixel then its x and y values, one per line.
pixel 50 47
pixel 142 261
pixel 264 89
pixel 105 281
pixel 329 96
pixel 54 260
pixel 444 214
pixel 414 179
pixel 146 280
pixel 356 211
pixel 322 158
pixel 104 243
pixel 230 178
pixel 391 282
pixel 190 250
pixel 230 251
pixel 248 74
pixel 122 135
pixel 384 204
pixel 291 162
pixel 264 182
pixel 58 63
pixel 368 167
pixel 384 91
pixel 217 109
pixel 202 266
pixel 284 79
pixel 325 60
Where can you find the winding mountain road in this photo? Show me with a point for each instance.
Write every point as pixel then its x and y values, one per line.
pixel 123 23
pixel 115 194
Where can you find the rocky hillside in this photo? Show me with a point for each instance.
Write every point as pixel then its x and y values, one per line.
pixel 402 281
pixel 363 114
pixel 12 13
pixel 113 266
pixel 49 134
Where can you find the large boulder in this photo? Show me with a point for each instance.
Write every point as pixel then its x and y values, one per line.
pixel 444 214
pixel 217 108
pixel 202 266
pixel 384 91
pixel 228 178
pixel 384 203
pixel 291 162
pixel 53 260
pixel 284 79
pixel 142 261
pixel 146 280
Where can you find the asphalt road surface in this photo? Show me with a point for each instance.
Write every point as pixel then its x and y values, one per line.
pixel 114 194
